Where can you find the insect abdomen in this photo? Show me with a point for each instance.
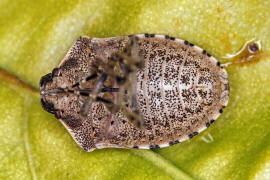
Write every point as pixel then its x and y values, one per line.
pixel 180 90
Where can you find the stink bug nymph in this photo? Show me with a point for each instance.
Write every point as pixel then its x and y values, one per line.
pixel 140 91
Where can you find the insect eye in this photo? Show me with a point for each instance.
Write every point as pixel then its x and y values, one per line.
pixel 45 79
pixel 55 72
pixel 47 106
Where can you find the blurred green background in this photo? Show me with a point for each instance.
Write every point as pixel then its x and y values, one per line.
pixel 35 36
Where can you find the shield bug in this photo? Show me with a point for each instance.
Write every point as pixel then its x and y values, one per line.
pixel 140 91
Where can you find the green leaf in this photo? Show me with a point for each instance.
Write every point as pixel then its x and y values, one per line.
pixel 35 36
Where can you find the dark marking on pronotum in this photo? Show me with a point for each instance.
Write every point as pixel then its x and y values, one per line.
pixel 69 64
pixel 71 121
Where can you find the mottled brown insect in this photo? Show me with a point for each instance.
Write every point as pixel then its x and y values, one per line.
pixel 140 91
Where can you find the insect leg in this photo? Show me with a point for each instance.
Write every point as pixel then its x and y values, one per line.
pixel 88 78
pixel 134 115
pixel 129 62
pixel 93 96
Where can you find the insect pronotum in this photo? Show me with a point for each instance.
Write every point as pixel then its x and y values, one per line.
pixel 140 91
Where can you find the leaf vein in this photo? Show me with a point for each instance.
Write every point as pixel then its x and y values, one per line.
pixel 162 164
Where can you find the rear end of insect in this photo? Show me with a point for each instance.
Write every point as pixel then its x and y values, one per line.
pixel 140 91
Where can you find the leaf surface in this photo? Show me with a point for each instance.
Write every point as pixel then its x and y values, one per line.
pixel 35 36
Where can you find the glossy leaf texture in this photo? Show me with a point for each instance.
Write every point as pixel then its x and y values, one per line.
pixel 35 36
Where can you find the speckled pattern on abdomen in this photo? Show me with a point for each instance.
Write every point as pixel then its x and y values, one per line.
pixel 178 92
